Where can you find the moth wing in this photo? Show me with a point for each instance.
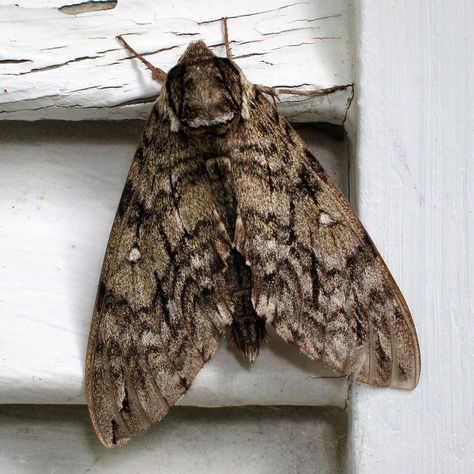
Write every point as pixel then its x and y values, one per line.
pixel 317 276
pixel 157 318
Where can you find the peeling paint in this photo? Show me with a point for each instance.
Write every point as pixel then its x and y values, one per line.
pixel 14 61
pixel 92 78
pixel 87 7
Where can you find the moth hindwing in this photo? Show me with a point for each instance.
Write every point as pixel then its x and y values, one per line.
pixel 227 220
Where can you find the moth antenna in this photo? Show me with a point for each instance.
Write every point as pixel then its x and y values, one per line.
pixel 156 73
pixel 226 39
pixel 275 92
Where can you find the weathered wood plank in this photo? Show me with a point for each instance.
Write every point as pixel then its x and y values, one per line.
pixel 61 60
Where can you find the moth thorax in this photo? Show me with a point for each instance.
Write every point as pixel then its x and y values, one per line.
pixel 205 94
pixel 206 103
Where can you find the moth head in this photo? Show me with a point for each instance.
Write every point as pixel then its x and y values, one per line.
pixel 205 93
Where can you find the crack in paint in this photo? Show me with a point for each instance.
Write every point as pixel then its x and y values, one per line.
pixel 54 66
pixel 289 30
pixel 244 15
pixel 15 61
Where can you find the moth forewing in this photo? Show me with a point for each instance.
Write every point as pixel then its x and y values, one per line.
pixel 226 219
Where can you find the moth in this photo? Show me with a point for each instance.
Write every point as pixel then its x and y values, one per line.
pixel 227 221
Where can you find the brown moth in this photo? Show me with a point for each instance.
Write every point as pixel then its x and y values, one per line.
pixel 228 221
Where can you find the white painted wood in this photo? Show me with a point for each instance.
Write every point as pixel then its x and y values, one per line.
pixel 37 440
pixel 414 191
pixel 62 66
pixel 60 183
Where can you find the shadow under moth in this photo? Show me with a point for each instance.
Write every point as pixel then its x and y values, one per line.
pixel 228 221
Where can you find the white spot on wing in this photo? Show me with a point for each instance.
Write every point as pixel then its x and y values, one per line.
pixel 134 255
pixel 324 219
pixel 196 262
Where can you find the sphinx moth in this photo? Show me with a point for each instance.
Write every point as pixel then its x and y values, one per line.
pixel 226 221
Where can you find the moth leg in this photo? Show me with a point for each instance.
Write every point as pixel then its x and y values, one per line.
pixel 156 73
pixel 313 93
pixel 226 39
pixel 274 92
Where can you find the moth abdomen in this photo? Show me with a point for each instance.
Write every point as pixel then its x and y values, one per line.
pixel 248 332
pixel 248 328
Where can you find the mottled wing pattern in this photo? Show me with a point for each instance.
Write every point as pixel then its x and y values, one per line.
pixel 317 276
pixel 157 317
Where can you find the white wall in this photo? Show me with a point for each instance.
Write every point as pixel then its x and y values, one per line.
pixel 415 177
pixel 245 440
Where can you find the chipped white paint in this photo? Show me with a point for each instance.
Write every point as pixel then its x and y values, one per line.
pixel 70 66
pixel 134 255
pixel 414 189
pixel 59 188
